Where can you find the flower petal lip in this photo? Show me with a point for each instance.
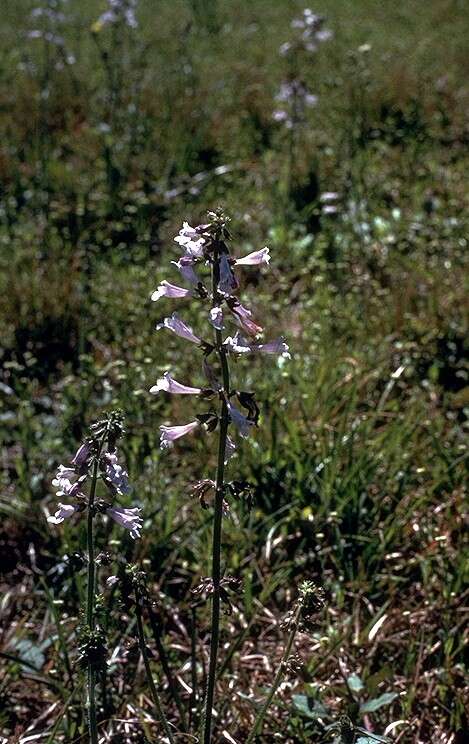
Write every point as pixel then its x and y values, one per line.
pixel 166 289
pixel 216 318
pixel 177 326
pixel 168 384
pixel 255 258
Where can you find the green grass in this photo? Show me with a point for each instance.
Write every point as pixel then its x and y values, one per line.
pixel 359 466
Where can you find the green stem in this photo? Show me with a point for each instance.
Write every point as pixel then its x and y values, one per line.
pixel 217 518
pixel 90 605
pixel 143 650
pixel 278 678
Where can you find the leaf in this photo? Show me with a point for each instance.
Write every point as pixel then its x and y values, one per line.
pixel 355 683
pixel 371 705
pixel 309 708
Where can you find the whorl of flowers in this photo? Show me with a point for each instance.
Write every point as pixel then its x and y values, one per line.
pixel 49 20
pixel 118 11
pixel 207 246
pixel 99 449
pixel 294 97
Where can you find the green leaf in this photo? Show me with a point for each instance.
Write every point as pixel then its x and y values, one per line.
pixel 309 708
pixel 355 683
pixel 371 705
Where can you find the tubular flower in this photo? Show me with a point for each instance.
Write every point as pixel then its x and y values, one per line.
pixel 228 282
pixel 177 326
pixel 128 518
pixel 165 289
pixel 63 512
pixel 242 423
pixel 115 474
pixel 169 434
pixel 168 384
pixel 254 259
pixel 186 268
pixel 243 317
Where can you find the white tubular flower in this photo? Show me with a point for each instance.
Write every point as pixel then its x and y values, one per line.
pixel 128 518
pixel 255 258
pixel 242 423
pixel 177 326
pixel 169 434
pixel 237 344
pixel 165 289
pixel 65 481
pixel 278 346
pixel 63 512
pixel 168 384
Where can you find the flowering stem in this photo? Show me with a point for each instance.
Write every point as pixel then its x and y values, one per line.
pixel 90 619
pixel 218 515
pixel 277 680
pixel 143 650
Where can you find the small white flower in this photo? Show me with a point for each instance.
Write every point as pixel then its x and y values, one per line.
pixel 63 512
pixel 170 433
pixel 168 384
pixel 255 258
pixel 166 289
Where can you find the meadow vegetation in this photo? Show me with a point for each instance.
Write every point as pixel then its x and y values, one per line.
pixel 113 134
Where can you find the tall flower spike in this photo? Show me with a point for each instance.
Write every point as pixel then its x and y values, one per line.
pixel 209 245
pixel 177 326
pixel 168 384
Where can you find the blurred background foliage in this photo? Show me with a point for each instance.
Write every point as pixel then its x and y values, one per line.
pixel 110 136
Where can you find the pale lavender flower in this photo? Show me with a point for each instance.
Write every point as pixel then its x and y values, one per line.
pixel 63 512
pixel 242 423
pixel 186 267
pixel 65 481
pixel 177 326
pixel 116 474
pixel 82 455
pixel 111 581
pixel 119 10
pixel 166 289
pixel 128 518
pixel 216 318
pixel 255 258
pixel 191 240
pixel 237 344
pixel 228 282
pixel 278 346
pixel 170 433
pixel 243 317
pixel 168 384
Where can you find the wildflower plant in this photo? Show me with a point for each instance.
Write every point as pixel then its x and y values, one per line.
pixel 95 460
pixel 207 247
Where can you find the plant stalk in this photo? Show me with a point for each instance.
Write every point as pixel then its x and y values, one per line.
pixel 277 680
pixel 217 518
